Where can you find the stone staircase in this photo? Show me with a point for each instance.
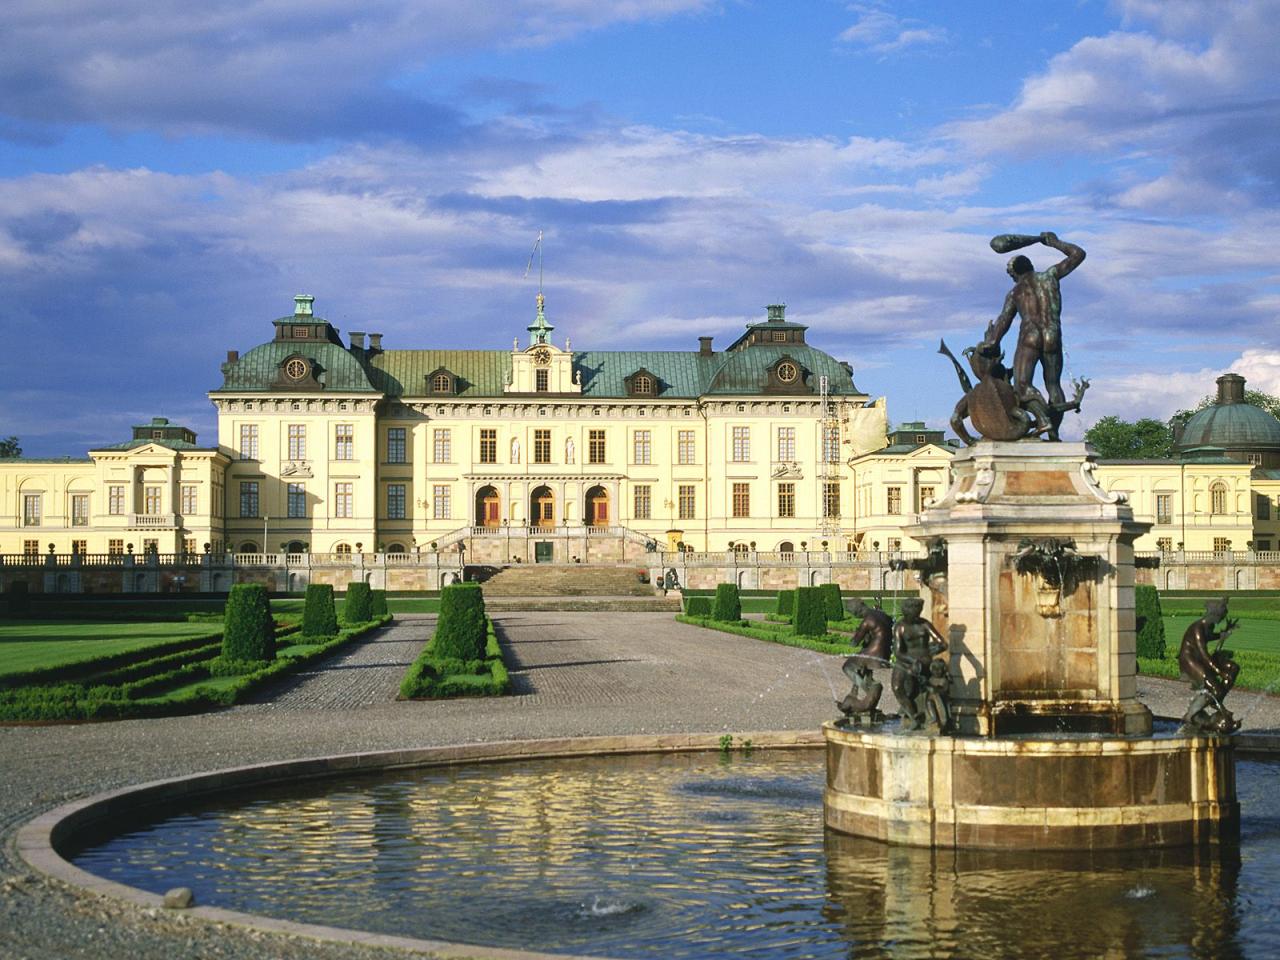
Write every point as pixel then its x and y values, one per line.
pixel 547 586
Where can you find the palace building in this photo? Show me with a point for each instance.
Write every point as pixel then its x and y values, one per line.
pixel 544 453
pixel 358 447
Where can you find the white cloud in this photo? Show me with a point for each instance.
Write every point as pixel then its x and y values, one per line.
pixel 879 31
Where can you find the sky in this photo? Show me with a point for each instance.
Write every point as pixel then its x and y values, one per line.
pixel 173 173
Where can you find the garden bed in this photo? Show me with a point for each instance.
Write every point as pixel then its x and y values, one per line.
pixel 432 678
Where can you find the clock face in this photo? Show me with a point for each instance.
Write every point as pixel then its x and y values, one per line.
pixel 787 372
pixel 542 356
pixel 295 369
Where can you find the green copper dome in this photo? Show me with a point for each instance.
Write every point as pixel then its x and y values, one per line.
pixel 1230 423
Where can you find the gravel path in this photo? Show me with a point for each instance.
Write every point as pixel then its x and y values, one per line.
pixel 576 674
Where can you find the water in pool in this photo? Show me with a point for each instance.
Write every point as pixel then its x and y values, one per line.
pixel 689 855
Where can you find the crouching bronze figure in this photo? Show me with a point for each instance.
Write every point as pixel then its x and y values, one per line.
pixel 1212 673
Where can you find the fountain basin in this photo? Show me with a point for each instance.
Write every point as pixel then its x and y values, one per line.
pixel 1067 793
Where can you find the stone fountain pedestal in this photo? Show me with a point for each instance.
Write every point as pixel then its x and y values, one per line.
pixel 1053 748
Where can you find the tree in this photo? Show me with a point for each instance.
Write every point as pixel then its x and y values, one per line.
pixel 10 448
pixel 1116 439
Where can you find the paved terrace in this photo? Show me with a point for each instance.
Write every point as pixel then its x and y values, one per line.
pixel 575 674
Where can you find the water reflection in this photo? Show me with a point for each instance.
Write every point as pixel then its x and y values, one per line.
pixel 686 856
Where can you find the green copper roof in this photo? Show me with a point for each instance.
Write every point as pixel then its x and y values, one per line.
pixel 340 369
pixel 134 444
pixel 1231 426
pixel 744 371
pixel 403 373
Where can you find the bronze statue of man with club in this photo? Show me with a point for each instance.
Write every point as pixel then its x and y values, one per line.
pixel 1037 299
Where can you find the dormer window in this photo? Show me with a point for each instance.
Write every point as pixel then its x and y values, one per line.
pixel 440 383
pixel 778 336
pixel 921 438
pixel 301 333
pixel 643 383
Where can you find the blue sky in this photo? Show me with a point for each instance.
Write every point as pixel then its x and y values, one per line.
pixel 172 173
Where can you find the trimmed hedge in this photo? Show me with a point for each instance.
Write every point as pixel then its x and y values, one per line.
pixel 728 605
pixel 697 606
pixel 433 677
pixel 319 613
pixel 460 629
pixel 833 601
pixel 786 603
pixel 378 603
pixel 826 643
pixel 357 605
pixel 810 617
pixel 17 600
pixel 248 632
pixel 1150 622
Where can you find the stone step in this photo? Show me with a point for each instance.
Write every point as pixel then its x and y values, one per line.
pixel 583 604
pixel 546 580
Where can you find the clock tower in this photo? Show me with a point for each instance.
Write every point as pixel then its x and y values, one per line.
pixel 542 367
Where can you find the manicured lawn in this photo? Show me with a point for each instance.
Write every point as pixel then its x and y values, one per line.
pixel 1260 636
pixel 413 604
pixel 32 644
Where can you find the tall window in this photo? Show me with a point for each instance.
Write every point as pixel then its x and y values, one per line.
pixel 31 510
pixel 190 499
pixel 741 444
pixel 1164 508
pixel 248 498
pixel 442 445
pixel 595 446
pixel 741 500
pixel 344 441
pixel 343 500
pixel 297 441
pixel 488 446
pixel 542 380
pixel 786 443
pixel 297 500
pixel 686 450
pixel 1255 459
pixel 786 499
pixel 248 441
pixel 924 495
pixel 395 445
pixel 188 545
pixel 895 500
pixel 831 442
pixel 831 500
pixel 80 510
pixel 150 500
pixel 687 498
pixel 441 507
pixel 641 447
pixel 1264 507
pixel 641 502
pixel 395 501
pixel 115 500
pixel 1218 498
pixel 542 446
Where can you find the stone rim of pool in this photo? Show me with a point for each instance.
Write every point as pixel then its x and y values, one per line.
pixel 40 841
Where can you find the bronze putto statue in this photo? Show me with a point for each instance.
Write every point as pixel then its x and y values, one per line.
pixel 1212 672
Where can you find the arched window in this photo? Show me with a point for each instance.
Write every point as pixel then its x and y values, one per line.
pixel 396 548
pixel 642 384
pixel 741 548
pixel 440 383
pixel 1218 497
pixel 343 548
pixel 786 547
pixel 248 547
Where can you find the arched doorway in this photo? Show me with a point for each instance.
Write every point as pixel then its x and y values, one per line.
pixel 488 507
pixel 395 548
pixel 343 548
pixel 295 546
pixel 248 547
pixel 786 548
pixel 597 511
pixel 542 507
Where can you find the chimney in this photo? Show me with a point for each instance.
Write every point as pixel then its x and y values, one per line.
pixel 233 356
pixel 1230 388
pixel 375 342
pixel 302 305
pixel 357 339
pixel 704 346
pixel 777 312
